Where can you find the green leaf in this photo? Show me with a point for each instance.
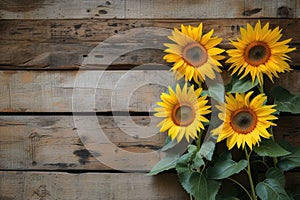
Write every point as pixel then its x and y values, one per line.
pixel 199 186
pixel 285 101
pixel 170 159
pixel 184 178
pixel 268 147
pixel 192 148
pixel 224 167
pixel 169 143
pixel 271 189
pixel 206 150
pixel 168 162
pixel 240 86
pixel 290 161
pixel 276 174
pixel 183 162
pixel 216 91
pixel 198 162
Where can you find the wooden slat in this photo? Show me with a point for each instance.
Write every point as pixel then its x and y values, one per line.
pixel 73 31
pixel 82 91
pixel 65 142
pixel 269 8
pixel 61 44
pixel 57 91
pixel 89 186
pixel 147 9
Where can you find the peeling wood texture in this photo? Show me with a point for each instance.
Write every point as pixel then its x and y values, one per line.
pixel 64 142
pixel 117 44
pixel 95 91
pixel 108 9
pixel 89 186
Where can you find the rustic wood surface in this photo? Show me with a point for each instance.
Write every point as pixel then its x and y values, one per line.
pixel 47 9
pixel 59 143
pixel 65 44
pixel 62 143
pixel 89 186
pixel 101 91
pixel 65 91
pixel 43 43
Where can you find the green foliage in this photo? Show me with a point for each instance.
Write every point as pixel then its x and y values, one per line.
pixel 285 101
pixel 203 188
pixel 290 161
pixel 224 167
pixel 169 143
pixel 217 91
pixel 198 185
pixel 168 162
pixel 271 189
pixel 268 147
pixel 207 150
pixel 240 85
pixel 276 174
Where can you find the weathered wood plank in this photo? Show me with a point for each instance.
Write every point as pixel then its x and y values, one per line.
pixel 72 31
pixel 89 186
pixel 269 8
pixel 82 91
pixel 64 142
pixel 46 9
pixel 94 91
pixel 61 44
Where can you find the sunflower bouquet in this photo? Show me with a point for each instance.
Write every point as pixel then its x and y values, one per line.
pixel 220 135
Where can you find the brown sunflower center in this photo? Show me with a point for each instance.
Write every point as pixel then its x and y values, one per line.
pixel 195 54
pixel 243 120
pixel 257 53
pixel 183 114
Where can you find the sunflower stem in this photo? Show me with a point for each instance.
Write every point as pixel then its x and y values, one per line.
pixel 198 141
pixel 250 176
pixel 275 160
pixel 191 197
pixel 239 184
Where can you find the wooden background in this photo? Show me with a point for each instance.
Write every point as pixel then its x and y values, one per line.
pixel 42 46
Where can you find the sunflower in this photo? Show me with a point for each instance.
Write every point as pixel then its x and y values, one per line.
pixel 244 121
pixel 259 52
pixel 183 111
pixel 194 55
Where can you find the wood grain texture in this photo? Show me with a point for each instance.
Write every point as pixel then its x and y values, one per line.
pixel 82 91
pixel 89 186
pixel 46 9
pixel 65 44
pixel 95 91
pixel 63 143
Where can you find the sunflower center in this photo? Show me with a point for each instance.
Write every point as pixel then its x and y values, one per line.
pixel 243 121
pixel 183 114
pixel 195 54
pixel 257 53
